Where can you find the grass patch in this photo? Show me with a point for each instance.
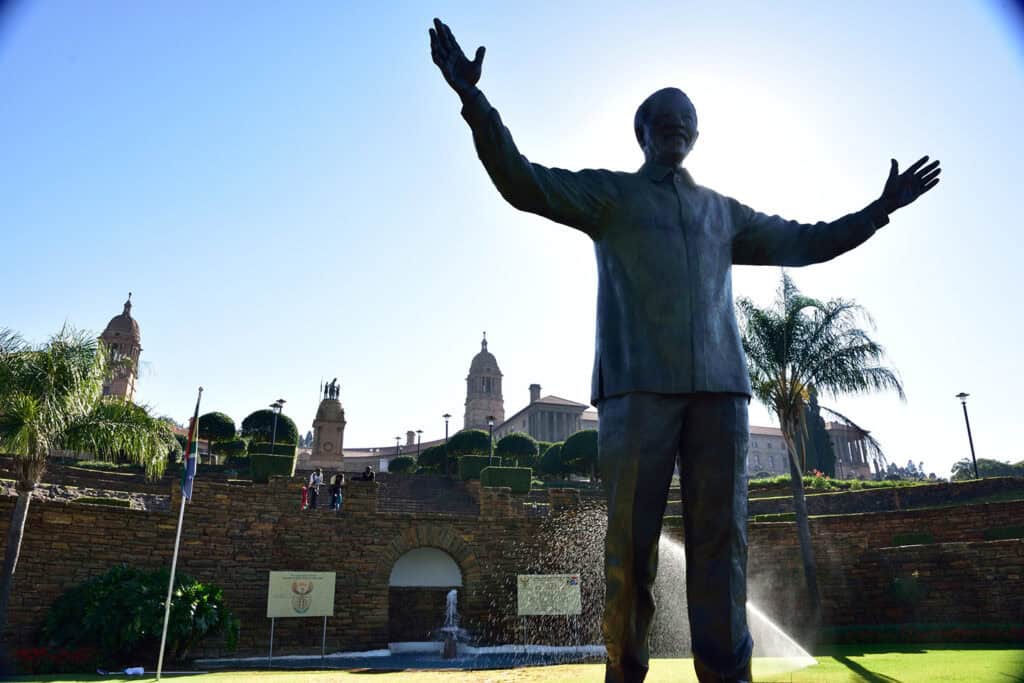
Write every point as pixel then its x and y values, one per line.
pixel 906 663
pixel 112 502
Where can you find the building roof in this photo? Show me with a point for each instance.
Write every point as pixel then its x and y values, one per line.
pixel 559 401
pixel 124 324
pixel 765 431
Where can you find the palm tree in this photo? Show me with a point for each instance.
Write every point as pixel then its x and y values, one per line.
pixel 50 398
pixel 802 345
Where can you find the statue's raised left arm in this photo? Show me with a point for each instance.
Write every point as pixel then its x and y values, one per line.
pixel 770 240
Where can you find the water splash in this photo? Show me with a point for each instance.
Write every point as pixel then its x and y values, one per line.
pixel 671 631
pixel 451 611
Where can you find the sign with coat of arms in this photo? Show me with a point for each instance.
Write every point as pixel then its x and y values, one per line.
pixel 540 594
pixel 300 594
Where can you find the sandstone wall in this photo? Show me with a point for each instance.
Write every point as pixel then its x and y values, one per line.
pixel 233 536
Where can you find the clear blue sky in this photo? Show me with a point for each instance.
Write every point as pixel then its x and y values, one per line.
pixel 289 191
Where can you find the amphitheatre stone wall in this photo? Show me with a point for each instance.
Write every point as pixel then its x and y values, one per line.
pixel 234 535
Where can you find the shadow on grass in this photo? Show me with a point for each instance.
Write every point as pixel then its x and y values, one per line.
pixel 865 674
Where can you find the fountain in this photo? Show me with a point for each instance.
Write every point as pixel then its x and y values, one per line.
pixel 450 632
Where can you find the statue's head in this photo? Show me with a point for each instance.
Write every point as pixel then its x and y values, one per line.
pixel 666 126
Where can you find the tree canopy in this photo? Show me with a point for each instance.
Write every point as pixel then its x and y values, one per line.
pixel 51 397
pixel 259 426
pixel 216 427
pixel 403 463
pixel 432 458
pixel 964 469
pixel 551 462
pixel 579 453
pixel 469 442
pixel 802 344
pixel 520 447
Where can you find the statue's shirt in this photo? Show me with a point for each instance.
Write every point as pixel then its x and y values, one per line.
pixel 665 249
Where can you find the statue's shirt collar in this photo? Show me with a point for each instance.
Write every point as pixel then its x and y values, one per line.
pixel 656 172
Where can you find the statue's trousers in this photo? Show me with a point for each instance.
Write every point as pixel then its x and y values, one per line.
pixel 641 437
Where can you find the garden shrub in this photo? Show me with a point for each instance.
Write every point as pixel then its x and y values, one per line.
pixel 120 615
pixel 470 466
pixel 516 478
pixel 264 466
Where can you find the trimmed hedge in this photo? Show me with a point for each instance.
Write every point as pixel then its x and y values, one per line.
pixel 470 466
pixel 264 466
pixel 272 449
pixel 516 478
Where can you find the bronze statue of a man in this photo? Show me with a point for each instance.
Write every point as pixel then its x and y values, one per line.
pixel 670 379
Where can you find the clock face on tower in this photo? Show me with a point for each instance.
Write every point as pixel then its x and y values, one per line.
pixel 327 446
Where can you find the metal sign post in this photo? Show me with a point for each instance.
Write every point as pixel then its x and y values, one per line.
pixel 323 641
pixel 270 655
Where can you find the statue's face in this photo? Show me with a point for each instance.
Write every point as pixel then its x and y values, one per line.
pixel 669 128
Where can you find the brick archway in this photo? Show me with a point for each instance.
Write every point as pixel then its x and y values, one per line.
pixel 440 536
pixel 414 611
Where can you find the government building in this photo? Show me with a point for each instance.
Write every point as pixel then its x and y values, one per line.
pixel 554 418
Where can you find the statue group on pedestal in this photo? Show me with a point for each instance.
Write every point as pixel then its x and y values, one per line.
pixel 330 390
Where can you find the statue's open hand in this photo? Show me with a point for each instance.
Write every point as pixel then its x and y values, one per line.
pixel 903 188
pixel 460 73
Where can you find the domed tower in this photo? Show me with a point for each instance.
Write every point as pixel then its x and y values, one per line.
pixel 483 390
pixel 329 430
pixel 123 343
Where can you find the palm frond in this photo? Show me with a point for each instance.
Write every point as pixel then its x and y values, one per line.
pixel 120 429
pixel 873 447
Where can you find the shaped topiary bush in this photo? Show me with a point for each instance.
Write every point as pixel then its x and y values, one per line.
pixel 518 479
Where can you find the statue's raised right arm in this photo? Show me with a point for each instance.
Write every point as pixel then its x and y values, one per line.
pixel 577 199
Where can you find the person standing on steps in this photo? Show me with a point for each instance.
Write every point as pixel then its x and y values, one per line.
pixel 315 480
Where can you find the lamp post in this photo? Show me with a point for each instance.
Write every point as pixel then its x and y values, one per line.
pixel 446 417
pixel 276 406
pixel 419 438
pixel 490 431
pixel 963 401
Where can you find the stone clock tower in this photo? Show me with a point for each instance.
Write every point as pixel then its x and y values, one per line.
pixel 329 431
pixel 483 390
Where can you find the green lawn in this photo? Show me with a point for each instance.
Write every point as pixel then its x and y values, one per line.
pixel 842 664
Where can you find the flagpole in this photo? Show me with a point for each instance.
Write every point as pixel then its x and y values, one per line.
pixel 193 432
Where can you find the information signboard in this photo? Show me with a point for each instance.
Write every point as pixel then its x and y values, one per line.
pixel 300 594
pixel 547 594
